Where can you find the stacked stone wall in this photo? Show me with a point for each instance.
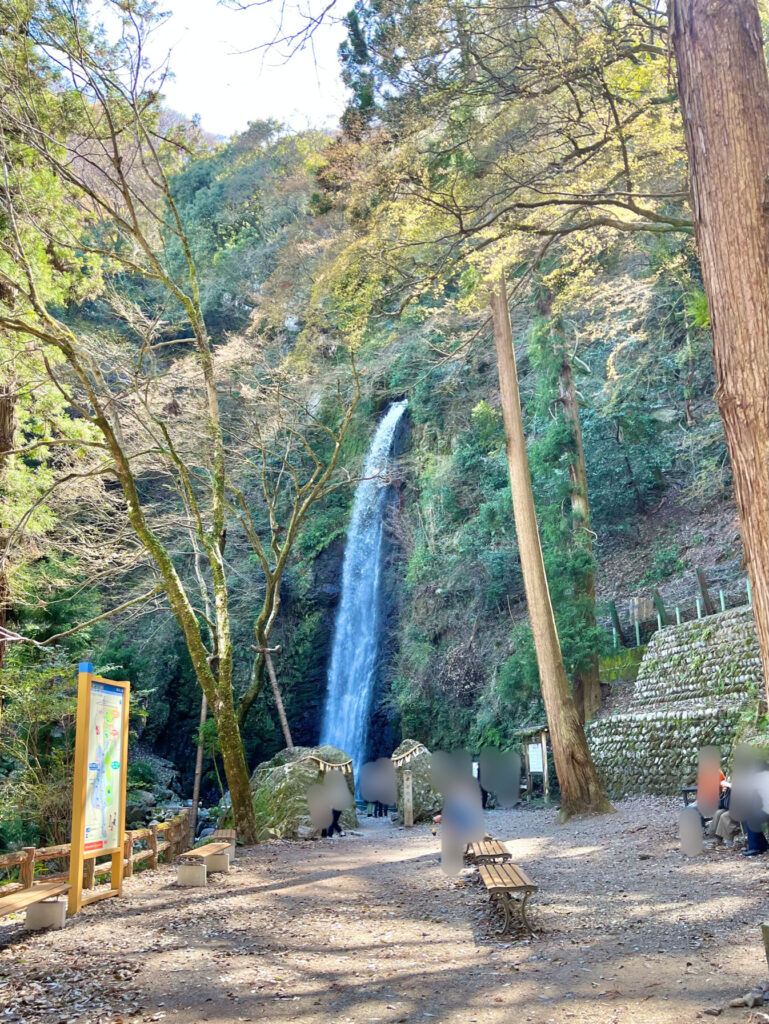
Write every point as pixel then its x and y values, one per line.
pixel 693 684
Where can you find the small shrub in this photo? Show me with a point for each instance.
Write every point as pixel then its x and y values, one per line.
pixel 141 775
pixel 666 561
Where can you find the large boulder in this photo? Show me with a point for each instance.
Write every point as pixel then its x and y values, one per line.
pixel 139 807
pixel 427 801
pixel 280 788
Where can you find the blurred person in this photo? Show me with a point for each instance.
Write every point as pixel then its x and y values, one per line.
pixel 757 844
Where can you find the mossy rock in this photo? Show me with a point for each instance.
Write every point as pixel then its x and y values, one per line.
pixel 280 788
pixel 427 801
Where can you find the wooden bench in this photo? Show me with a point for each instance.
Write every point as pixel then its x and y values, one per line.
pixel 488 851
pixel 40 914
pixel 193 865
pixel 509 887
pixel 227 835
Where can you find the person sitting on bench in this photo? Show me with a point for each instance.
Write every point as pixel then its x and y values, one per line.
pixel 722 826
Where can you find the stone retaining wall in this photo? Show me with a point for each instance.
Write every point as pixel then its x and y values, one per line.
pixel 693 684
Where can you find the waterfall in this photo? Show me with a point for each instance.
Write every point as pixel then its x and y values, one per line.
pixel 356 631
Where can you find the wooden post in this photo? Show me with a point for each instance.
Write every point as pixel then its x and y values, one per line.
pixel 616 622
pixel 545 777
pixel 662 614
pixel 89 873
pixel 765 937
pixel 186 841
pixel 75 898
pixel 707 601
pixel 408 800
pixel 198 770
pixel 528 768
pixel 27 867
pixel 152 842
pixel 128 855
pixel 116 877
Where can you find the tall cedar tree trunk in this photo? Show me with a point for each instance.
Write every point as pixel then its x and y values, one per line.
pixel 581 790
pixel 7 426
pixel 588 679
pixel 724 94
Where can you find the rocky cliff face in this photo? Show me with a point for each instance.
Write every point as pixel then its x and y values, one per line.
pixel 694 683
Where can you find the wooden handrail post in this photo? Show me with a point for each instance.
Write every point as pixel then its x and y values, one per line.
pixel 186 840
pixel 89 873
pixel 152 843
pixel 27 867
pixel 128 854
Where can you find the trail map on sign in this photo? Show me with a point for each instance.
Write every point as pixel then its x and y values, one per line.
pixel 103 785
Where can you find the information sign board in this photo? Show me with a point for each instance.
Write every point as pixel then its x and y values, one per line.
pixel 535 758
pixel 99 786
pixel 103 806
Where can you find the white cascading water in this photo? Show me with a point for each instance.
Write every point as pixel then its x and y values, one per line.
pixel 356 631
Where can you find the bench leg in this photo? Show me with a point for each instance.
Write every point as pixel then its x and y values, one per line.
pixel 47 914
pixel 501 901
pixel 524 918
pixel 504 902
pixel 191 874
pixel 218 862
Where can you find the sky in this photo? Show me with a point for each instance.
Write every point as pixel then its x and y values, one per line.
pixel 227 86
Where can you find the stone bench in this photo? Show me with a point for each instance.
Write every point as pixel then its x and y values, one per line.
pixel 509 888
pixel 193 866
pixel 44 909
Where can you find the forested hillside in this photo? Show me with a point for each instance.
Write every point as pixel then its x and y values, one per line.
pixel 307 280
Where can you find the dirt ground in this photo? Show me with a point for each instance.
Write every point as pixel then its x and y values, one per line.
pixel 367 928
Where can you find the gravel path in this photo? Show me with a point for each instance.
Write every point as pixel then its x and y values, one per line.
pixel 366 928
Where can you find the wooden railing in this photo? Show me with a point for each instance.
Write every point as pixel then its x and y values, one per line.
pixel 167 838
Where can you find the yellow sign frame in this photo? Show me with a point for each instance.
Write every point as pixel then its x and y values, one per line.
pixel 78 854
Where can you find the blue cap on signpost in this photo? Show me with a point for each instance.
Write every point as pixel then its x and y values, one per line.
pixel 85 666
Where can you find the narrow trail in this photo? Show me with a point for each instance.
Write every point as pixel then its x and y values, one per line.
pixel 367 928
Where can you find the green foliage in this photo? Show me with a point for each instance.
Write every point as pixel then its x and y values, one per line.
pixel 666 561
pixel 141 774
pixel 37 748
